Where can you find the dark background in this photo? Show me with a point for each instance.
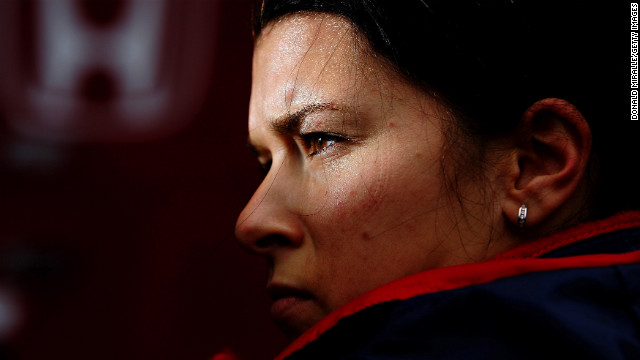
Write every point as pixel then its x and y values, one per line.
pixel 115 246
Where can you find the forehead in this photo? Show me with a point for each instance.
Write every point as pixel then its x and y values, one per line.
pixel 303 58
pixel 296 37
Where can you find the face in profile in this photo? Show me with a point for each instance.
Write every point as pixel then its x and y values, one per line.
pixel 354 195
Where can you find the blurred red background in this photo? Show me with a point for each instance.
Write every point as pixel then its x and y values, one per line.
pixel 121 175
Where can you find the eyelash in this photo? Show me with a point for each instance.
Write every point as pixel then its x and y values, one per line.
pixel 313 142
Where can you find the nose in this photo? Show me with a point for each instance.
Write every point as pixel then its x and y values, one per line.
pixel 269 221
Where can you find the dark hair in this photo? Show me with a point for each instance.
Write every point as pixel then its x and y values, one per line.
pixel 492 59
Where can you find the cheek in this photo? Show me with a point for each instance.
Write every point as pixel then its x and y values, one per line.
pixel 352 198
pixel 366 233
pixel 358 197
pixel 381 196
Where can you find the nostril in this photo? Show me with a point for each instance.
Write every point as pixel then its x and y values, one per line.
pixel 273 240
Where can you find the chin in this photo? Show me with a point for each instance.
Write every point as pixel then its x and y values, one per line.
pixel 293 328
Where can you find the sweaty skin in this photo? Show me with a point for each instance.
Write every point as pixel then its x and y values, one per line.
pixel 354 196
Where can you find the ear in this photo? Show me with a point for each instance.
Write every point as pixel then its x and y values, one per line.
pixel 549 161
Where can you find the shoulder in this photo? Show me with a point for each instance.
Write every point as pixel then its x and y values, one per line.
pixel 576 300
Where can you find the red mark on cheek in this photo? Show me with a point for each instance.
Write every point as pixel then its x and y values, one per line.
pixel 391 124
pixel 366 236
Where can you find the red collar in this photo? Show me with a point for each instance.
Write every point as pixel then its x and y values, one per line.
pixel 520 260
pixel 625 220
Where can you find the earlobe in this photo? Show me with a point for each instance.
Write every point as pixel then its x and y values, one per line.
pixel 549 161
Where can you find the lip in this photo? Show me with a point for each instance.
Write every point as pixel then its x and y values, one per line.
pixel 287 301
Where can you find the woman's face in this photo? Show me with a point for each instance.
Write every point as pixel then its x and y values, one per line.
pixel 354 196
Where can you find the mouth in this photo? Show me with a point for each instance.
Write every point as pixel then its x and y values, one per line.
pixel 287 301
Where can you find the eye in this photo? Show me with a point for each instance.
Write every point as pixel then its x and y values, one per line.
pixel 317 142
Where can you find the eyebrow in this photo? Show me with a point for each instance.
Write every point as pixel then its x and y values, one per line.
pixel 289 123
